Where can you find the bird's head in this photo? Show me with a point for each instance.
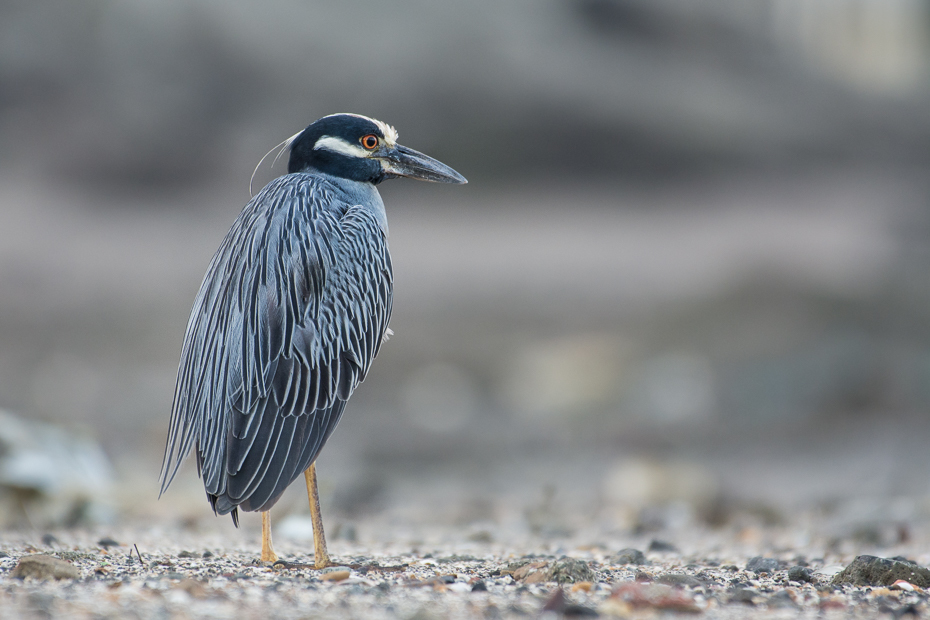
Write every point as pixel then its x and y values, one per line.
pixel 362 149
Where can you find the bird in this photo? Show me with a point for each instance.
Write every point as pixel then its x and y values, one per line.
pixel 293 309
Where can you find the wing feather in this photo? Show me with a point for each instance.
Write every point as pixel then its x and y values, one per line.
pixel 291 313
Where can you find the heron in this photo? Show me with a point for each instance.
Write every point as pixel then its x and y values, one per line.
pixel 293 309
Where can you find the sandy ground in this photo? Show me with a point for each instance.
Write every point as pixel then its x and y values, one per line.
pixel 506 559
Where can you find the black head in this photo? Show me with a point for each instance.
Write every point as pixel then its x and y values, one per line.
pixel 362 149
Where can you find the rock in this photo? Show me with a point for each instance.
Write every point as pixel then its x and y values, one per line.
pixel 655 596
pixel 336 573
pixel 479 586
pixel 759 564
pixel 868 570
pixel 574 610
pixel 800 573
pixel 49 540
pixel 782 599
pixel 44 567
pixel 662 545
pixel 522 572
pixel 108 542
pixel 187 554
pixel 680 579
pixel 50 475
pixel 742 595
pixel 556 602
pixel 568 570
pixel 630 556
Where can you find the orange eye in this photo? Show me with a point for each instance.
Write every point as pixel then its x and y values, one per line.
pixel 370 141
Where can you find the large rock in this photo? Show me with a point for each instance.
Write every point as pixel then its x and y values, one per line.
pixel 44 567
pixel 868 570
pixel 56 476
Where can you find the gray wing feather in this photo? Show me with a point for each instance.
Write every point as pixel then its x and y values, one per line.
pixel 290 315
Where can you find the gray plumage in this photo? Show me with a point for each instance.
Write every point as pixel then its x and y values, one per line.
pixel 292 311
pixel 289 317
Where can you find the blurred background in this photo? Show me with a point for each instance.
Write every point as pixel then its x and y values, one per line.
pixel 691 268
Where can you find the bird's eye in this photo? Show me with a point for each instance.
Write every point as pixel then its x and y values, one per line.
pixel 370 141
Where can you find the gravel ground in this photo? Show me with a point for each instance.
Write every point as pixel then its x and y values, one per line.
pixel 743 569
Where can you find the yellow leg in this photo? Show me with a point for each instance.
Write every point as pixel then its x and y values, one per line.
pixel 268 554
pixel 320 555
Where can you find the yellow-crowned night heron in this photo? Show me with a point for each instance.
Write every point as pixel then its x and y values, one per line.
pixel 292 311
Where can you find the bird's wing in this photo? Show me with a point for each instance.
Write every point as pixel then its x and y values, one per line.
pixel 289 317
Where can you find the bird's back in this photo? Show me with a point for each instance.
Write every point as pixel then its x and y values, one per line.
pixel 290 315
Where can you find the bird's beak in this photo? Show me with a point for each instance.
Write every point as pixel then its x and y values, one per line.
pixel 403 162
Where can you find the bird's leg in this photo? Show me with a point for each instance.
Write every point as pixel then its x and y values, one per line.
pixel 320 556
pixel 268 554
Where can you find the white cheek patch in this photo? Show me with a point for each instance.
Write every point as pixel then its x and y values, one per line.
pixel 338 145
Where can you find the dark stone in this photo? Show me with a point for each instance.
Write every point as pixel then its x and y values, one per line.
pixel 187 554
pixel 759 564
pixel 868 570
pixel 643 577
pixel 680 579
pixel 800 573
pixel 742 595
pixel 108 542
pixel 630 556
pixel 662 545
pixel 479 586
pixel 207 554
pixel 573 610
pixel 568 570
pixel 49 539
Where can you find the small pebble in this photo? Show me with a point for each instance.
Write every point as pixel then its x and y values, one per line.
pixel 800 573
pixel 335 575
pixel 759 564
pixel 107 542
pixel 679 579
pixel 630 556
pixel 742 595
